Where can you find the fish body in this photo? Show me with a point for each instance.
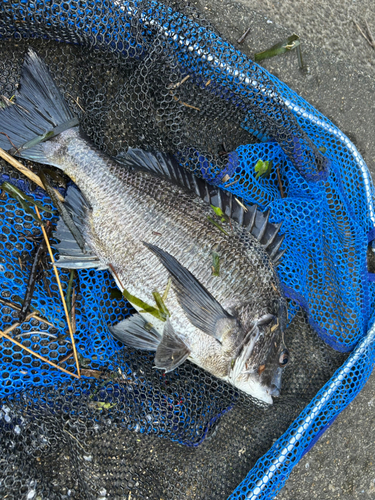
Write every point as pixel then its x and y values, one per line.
pixel 149 230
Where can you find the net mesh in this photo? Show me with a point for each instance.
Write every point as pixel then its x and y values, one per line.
pixel 159 77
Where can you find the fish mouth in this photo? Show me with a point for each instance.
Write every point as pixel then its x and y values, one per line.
pixel 274 391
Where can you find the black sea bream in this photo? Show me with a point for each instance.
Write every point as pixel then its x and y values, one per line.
pixel 151 224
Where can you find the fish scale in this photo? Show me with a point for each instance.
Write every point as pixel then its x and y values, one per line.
pixel 167 209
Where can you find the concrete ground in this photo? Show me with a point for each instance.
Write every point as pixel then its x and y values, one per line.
pixel 340 83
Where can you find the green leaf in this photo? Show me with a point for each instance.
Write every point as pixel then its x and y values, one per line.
pixel 167 288
pixel 280 48
pixel 55 175
pixel 217 225
pixel 115 293
pixel 68 297
pixel 145 307
pixel 160 303
pixel 217 211
pixel 215 264
pixel 220 213
pixel 322 149
pixel 101 405
pixel 263 168
pixel 21 196
pixel 8 188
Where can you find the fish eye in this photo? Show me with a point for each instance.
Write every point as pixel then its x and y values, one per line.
pixel 284 358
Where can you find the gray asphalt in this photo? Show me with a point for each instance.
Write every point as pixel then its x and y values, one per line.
pixel 340 83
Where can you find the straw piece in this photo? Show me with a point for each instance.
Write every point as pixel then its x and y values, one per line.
pixel 17 308
pixel 25 171
pixel 4 335
pixel 16 325
pixel 62 297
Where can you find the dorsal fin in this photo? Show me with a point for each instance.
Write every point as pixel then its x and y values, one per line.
pixel 249 217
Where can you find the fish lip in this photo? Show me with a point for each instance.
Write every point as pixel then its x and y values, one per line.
pixel 274 391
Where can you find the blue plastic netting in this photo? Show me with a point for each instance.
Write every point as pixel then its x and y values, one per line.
pixel 325 204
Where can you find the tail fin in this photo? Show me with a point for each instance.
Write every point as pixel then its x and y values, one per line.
pixel 39 113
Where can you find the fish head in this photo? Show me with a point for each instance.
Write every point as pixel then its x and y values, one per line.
pixel 258 366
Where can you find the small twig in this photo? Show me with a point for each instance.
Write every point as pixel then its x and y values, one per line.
pixel 370 34
pixel 31 283
pixel 232 183
pixel 189 106
pixel 45 282
pixel 9 139
pixel 25 171
pixel 65 358
pixel 79 444
pixel 62 296
pixel 69 291
pixel 4 335
pixel 369 39
pixel 18 308
pixel 20 263
pixel 167 288
pixel 116 275
pixel 185 104
pixel 300 58
pixel 176 85
pixel 280 183
pixel 76 102
pixel 242 38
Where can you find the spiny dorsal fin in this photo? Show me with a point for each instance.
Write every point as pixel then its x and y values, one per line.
pixel 249 217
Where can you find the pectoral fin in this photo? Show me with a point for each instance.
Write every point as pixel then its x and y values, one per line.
pixel 201 308
pixel 172 351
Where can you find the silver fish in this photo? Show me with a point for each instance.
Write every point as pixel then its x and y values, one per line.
pixel 149 222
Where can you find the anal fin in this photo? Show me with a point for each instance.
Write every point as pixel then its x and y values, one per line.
pixel 172 351
pixel 136 332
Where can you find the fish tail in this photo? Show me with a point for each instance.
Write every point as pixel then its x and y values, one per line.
pixel 38 114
